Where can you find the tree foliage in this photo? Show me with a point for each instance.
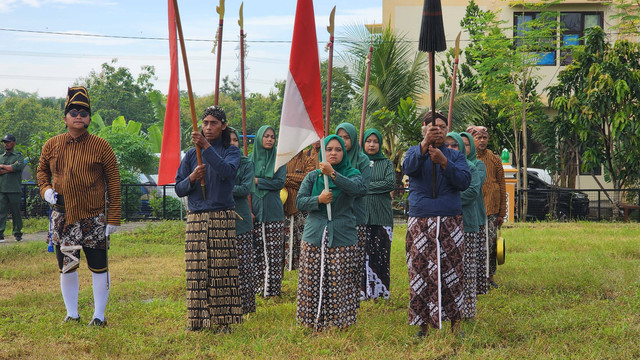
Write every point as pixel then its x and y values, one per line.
pixel 598 96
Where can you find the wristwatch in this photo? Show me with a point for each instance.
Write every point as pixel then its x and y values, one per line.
pixel 333 175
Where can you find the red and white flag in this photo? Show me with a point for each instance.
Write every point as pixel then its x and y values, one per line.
pixel 170 152
pixel 301 120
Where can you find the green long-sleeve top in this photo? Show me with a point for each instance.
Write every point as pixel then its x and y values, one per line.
pixel 241 191
pixel 342 228
pixel 473 213
pixel 360 202
pixel 10 182
pixel 383 181
pixel 270 208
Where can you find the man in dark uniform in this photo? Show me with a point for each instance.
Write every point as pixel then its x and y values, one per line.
pixel 11 166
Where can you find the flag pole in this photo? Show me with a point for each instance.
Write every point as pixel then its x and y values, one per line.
pixel 456 60
pixel 219 10
pixel 330 29
pixel 242 88
pixel 194 119
pixel 365 96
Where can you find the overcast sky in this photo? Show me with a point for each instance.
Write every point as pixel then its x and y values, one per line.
pixel 42 48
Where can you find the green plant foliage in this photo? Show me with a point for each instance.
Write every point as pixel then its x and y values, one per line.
pixel 167 207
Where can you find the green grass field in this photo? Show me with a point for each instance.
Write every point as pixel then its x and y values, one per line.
pixel 567 290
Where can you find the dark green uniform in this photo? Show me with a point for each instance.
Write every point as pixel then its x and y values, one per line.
pixel 10 190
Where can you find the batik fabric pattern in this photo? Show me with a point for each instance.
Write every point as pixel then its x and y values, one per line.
pixel 247 277
pixel 268 250
pixel 471 243
pixel 72 238
pixel 327 282
pixel 213 293
pixel 377 279
pixel 481 262
pixel 493 244
pixel 436 289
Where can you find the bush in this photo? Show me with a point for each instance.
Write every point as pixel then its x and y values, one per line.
pixel 173 207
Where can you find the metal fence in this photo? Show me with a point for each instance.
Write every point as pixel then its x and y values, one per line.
pixel 562 204
pixel 138 202
pixel 151 202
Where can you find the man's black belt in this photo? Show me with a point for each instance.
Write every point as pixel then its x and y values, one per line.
pixel 59 205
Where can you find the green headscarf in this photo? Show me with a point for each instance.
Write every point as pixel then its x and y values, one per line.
pixel 472 148
pixel 264 161
pixel 379 155
pixel 242 157
pixel 462 148
pixel 344 168
pixel 357 157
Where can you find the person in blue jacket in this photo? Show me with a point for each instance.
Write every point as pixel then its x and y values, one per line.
pixel 213 294
pixel 435 236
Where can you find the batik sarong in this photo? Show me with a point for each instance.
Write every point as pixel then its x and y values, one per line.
pixel 470 285
pixel 435 247
pixel 377 277
pixel 481 262
pixel 326 295
pixel 88 233
pixel 268 251
pixel 213 294
pixel 247 276
pixel 493 246
pixel 292 239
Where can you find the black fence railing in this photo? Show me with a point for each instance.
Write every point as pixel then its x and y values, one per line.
pixel 562 204
pixel 151 202
pixel 138 202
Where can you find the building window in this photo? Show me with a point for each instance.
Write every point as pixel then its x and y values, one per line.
pixel 572 27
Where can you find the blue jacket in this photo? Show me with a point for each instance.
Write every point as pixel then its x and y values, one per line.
pixel 221 165
pixel 455 178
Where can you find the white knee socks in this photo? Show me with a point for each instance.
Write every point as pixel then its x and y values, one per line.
pixel 69 285
pixel 101 284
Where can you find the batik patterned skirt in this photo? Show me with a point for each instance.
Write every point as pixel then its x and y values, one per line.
pixel 493 246
pixel 89 233
pixel 268 250
pixel 292 238
pixel 471 244
pixel 213 293
pixel 327 296
pixel 377 278
pixel 247 277
pixel 482 262
pixel 435 247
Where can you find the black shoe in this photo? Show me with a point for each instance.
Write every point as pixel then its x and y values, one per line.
pixel 70 319
pixel 493 284
pixel 1 239
pixel 420 335
pixel 97 322
pixel 18 238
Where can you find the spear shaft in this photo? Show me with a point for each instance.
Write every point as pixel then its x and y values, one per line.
pixel 194 119
pixel 242 88
pixel 365 96
pixel 456 60
pixel 220 10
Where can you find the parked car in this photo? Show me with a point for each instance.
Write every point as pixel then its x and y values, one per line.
pixel 550 201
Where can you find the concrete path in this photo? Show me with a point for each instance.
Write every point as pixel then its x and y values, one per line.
pixel 42 235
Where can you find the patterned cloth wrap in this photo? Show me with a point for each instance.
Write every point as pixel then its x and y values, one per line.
pixel 89 233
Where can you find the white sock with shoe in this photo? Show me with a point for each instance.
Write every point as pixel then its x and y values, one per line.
pixel 101 284
pixel 70 285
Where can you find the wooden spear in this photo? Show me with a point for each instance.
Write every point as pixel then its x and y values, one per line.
pixel 219 10
pixel 243 103
pixel 432 39
pixel 194 119
pixel 365 96
pixel 456 59
pixel 327 111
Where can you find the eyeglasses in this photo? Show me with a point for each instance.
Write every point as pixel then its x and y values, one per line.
pixel 451 144
pixel 75 113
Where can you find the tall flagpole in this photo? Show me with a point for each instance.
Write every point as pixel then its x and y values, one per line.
pixel 330 29
pixel 456 60
pixel 194 119
pixel 219 10
pixel 242 88
pixel 365 96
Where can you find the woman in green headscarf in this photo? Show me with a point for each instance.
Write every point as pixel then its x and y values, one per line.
pixel 471 219
pixel 244 227
pixel 326 293
pixel 268 228
pixel 376 280
pixel 360 161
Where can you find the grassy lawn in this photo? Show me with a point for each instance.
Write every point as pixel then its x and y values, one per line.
pixel 567 290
